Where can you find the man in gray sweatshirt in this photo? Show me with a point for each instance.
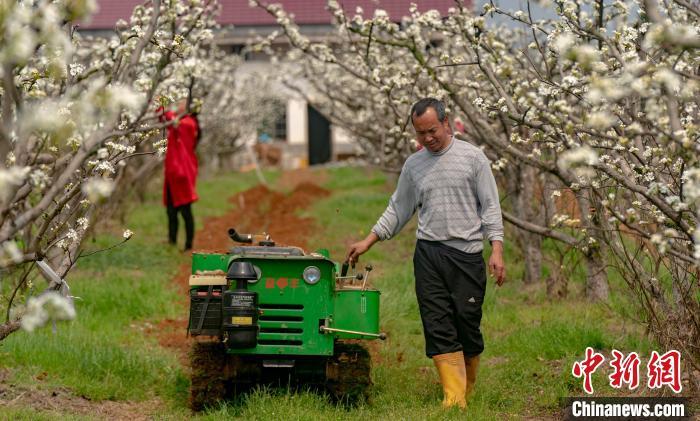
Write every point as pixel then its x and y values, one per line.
pixel 450 183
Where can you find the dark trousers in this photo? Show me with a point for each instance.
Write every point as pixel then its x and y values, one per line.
pixel 450 286
pixel 186 211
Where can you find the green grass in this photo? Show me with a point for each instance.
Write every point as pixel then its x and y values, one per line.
pixel 531 342
pixel 28 414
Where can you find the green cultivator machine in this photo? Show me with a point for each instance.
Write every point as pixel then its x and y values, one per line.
pixel 264 314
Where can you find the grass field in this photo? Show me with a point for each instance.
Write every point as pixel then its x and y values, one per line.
pixel 108 355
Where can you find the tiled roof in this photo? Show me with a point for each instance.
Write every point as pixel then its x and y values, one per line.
pixel 306 12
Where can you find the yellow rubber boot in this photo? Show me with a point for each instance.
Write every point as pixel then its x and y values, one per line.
pixel 453 377
pixel 471 365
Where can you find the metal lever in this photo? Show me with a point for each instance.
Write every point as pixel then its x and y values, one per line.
pixel 368 269
pixel 381 336
pixel 359 277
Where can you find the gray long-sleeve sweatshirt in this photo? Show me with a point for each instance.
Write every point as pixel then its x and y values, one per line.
pixel 455 194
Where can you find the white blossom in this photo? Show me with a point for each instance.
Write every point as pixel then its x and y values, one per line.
pixel 586 55
pixel 161 142
pixel 76 69
pixel 669 79
pixel 9 253
pixel 121 148
pixel 380 14
pixel 49 306
pixel 600 120
pixel 83 223
pixel 10 179
pixel 72 235
pixel 102 153
pixel 105 166
pixel 579 161
pixel 39 178
pixel 563 42
pixel 98 188
pixel 124 96
pixel 691 184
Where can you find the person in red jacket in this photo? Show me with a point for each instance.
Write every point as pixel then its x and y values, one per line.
pixel 179 189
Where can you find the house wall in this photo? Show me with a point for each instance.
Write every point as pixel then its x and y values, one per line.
pixel 297 121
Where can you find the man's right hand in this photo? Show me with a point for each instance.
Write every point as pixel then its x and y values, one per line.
pixel 359 248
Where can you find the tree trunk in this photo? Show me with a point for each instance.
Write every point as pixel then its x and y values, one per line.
pixel 533 259
pixel 8 328
pixel 597 288
pixel 522 183
pixel 532 211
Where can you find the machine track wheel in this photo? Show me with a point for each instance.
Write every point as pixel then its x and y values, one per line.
pixel 242 375
pixel 348 373
pixel 208 361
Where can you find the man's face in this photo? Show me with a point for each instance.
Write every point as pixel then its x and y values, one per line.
pixel 431 133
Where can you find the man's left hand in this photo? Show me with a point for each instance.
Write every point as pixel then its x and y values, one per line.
pixel 496 266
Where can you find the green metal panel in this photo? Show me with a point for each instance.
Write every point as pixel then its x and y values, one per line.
pixel 209 261
pixel 356 310
pixel 291 308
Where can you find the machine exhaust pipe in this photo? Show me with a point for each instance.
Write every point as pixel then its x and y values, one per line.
pixel 240 238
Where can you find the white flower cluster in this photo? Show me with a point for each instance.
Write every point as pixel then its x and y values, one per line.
pixel 9 253
pixel 663 240
pixel 600 120
pixel 83 223
pixel 579 160
pixel 49 306
pixel 39 179
pixel 105 167
pixel 691 185
pixel 10 179
pixel 76 69
pixel 559 220
pixel 129 149
pixel 499 164
pixel 98 188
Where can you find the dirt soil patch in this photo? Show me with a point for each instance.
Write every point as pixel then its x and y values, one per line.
pixel 291 179
pixel 62 401
pixel 255 211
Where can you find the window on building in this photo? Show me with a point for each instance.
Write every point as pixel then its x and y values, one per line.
pixel 274 125
pixel 281 126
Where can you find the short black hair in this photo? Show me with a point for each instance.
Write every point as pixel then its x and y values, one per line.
pixel 423 104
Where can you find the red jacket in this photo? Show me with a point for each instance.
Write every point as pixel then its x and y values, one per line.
pixel 180 160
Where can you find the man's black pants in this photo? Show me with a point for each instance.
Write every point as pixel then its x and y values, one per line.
pixel 450 286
